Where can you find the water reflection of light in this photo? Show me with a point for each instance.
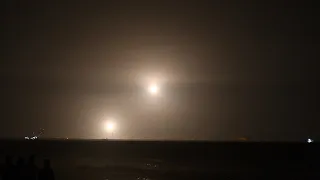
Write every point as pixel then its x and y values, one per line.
pixel 143 178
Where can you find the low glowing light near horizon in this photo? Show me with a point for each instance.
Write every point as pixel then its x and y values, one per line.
pixel 153 89
pixel 110 126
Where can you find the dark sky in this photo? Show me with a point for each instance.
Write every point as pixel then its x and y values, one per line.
pixel 225 70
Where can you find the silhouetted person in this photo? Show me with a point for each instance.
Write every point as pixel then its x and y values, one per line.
pixel 9 169
pixel 31 169
pixel 46 173
pixel 21 170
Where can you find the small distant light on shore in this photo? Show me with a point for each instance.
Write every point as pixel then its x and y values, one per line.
pixel 310 140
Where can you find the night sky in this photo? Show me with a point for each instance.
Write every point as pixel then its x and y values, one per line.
pixel 224 70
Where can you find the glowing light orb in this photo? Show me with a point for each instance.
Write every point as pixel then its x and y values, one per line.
pixel 153 89
pixel 110 126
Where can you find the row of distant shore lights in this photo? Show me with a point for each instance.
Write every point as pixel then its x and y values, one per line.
pixel 110 127
pixel 31 138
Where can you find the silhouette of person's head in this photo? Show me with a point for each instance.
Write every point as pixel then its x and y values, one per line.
pixel 31 159
pixel 46 164
pixel 9 160
pixel 20 161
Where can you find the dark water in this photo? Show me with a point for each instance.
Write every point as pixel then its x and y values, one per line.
pixel 171 160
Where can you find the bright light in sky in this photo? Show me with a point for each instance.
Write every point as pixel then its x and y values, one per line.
pixel 153 89
pixel 110 126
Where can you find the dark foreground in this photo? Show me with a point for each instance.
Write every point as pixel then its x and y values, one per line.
pixel 171 160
